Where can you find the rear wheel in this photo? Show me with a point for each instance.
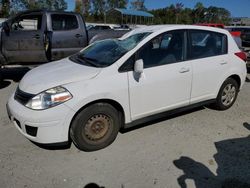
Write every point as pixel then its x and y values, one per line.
pixel 95 127
pixel 227 94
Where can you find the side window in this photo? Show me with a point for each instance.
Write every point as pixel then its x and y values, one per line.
pixel 128 65
pixel 164 49
pixel 206 44
pixel 64 22
pixel 27 23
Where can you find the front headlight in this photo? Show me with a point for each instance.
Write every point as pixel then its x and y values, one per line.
pixel 49 98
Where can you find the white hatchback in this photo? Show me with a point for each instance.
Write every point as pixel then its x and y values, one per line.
pixel 118 83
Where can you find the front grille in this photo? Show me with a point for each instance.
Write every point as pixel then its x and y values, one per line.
pixel 22 97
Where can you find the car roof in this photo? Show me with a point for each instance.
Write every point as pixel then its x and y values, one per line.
pixel 164 28
pixel 44 11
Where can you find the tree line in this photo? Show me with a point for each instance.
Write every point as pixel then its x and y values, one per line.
pixel 172 14
pixel 177 14
pixel 95 10
pixel 10 7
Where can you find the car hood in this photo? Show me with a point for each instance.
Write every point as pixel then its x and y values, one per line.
pixel 55 74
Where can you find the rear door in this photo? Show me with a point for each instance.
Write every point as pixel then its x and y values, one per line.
pixel 25 41
pixel 208 55
pixel 68 34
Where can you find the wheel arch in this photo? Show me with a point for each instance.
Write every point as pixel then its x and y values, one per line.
pixel 236 78
pixel 113 103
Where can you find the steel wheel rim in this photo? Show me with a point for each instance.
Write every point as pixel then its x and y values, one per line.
pixel 97 127
pixel 228 95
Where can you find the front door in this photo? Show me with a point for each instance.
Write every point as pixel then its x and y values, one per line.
pixel 166 81
pixel 25 41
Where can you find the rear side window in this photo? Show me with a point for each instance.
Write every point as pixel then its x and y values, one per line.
pixel 206 44
pixel 64 22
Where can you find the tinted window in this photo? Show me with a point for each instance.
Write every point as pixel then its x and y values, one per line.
pixel 27 22
pixel 164 49
pixel 64 22
pixel 206 44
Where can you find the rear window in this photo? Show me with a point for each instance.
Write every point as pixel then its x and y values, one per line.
pixel 206 44
pixel 64 22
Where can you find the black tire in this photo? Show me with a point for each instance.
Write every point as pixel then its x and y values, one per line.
pixel 95 127
pixel 222 103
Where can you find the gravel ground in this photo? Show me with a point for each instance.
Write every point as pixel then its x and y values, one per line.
pixel 202 148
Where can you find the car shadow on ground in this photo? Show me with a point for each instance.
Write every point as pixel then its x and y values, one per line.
pixel 59 146
pixel 92 185
pixel 158 120
pixel 233 160
pixel 15 74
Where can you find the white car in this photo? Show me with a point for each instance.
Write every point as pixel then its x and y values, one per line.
pixel 118 83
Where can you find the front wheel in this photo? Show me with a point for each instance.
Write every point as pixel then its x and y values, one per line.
pixel 95 127
pixel 227 94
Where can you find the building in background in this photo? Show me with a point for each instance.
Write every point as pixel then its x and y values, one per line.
pixel 240 21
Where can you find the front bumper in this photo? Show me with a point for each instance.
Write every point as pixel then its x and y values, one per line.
pixel 45 126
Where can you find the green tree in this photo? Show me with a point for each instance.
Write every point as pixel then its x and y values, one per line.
pixel 99 8
pixel 185 16
pixel 78 7
pixel 177 10
pixel 117 3
pixel 138 5
pixel 5 8
pixel 217 15
pixel 17 5
pixel 85 7
pixel 198 13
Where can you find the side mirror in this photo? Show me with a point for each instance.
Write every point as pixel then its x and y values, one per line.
pixel 6 28
pixel 138 67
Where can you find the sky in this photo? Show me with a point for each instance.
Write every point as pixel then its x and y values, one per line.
pixel 238 8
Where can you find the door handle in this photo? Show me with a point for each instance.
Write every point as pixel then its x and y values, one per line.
pixel 78 35
pixel 37 36
pixel 184 69
pixel 223 63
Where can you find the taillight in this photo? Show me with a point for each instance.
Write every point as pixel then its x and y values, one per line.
pixel 235 33
pixel 242 55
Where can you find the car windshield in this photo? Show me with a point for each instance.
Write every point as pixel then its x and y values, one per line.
pixel 105 53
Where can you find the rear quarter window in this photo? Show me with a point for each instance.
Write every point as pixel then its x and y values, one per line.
pixel 204 44
pixel 64 22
